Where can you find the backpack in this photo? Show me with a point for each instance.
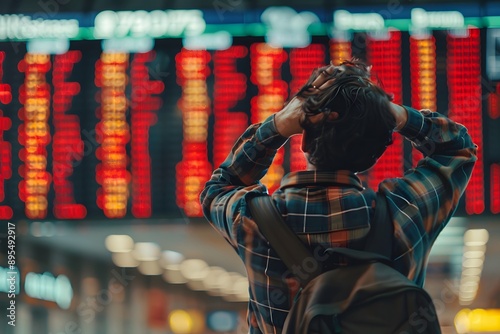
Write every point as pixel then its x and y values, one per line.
pixel 353 291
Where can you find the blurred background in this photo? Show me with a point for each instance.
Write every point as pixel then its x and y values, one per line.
pixel 114 113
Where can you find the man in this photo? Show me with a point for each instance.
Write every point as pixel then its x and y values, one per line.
pixel 347 122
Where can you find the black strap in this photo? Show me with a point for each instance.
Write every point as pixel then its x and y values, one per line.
pixel 379 239
pixel 282 239
pixel 297 257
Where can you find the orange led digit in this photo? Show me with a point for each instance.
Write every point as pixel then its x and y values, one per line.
pixel 143 115
pixel 464 85
pixel 494 103
pixel 194 169
pixel 113 134
pixel 423 77
pixel 67 147
pixel 340 50
pixel 385 56
pixel 302 62
pixel 266 64
pixel 34 134
pixel 229 87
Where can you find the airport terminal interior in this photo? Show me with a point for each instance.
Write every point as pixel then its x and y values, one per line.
pixel 113 115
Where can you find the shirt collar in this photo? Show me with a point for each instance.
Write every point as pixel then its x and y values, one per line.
pixel 337 178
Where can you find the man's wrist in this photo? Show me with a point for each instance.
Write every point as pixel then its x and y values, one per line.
pixel 400 116
pixel 416 127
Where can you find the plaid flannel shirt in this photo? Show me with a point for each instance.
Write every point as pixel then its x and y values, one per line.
pixel 333 209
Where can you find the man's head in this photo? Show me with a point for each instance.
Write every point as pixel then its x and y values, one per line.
pixel 357 125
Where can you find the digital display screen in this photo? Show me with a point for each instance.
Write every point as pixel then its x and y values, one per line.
pixel 96 134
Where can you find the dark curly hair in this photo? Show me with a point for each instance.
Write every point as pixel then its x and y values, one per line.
pixel 363 129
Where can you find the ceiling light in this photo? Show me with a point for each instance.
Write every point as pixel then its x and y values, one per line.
pixel 150 268
pixel 471 272
pixel 468 287
pixel 119 243
pixel 170 257
pixel 173 275
pixel 474 254
pixel 146 251
pixel 211 281
pixel 472 263
pixel 124 260
pixel 194 269
pixel 239 286
pixel 470 279
pixel 219 283
pixel 476 237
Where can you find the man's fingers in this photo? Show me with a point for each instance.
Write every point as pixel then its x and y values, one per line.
pixel 315 89
pixel 327 84
pixel 330 69
pixel 315 118
pixel 323 76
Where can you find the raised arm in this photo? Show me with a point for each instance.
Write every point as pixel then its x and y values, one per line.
pixel 424 200
pixel 224 197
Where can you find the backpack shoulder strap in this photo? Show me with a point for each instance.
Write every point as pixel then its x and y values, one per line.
pixel 282 239
pixel 379 239
pixel 294 253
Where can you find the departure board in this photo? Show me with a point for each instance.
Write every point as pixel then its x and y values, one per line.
pixel 91 133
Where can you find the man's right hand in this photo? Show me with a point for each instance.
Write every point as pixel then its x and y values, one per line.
pixel 288 119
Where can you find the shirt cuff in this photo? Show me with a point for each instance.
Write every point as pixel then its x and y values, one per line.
pixel 415 127
pixel 268 136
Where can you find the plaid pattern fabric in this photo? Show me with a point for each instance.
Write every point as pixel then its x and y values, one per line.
pixel 333 209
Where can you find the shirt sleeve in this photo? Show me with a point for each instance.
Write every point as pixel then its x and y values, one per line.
pixel 425 198
pixel 224 197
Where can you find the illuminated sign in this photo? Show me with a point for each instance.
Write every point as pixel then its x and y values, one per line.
pixel 47 287
pixel 494 103
pixel 302 63
pixel 48 46
pixel 144 105
pixel 439 20
pixel 5 147
pixel 495 188
pixel 222 321
pixel 98 131
pixel 266 66
pixel 194 169
pixel 464 86
pixel 113 133
pixel 128 44
pixel 221 40
pixel 271 23
pixel 385 56
pixel 18 26
pixel 286 27
pixel 157 23
pixel 423 77
pixel 34 134
pixel 186 322
pixel 230 87
pixel 67 143
pixel 340 50
pixel 344 20
pixel 478 321
pixel 493 55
